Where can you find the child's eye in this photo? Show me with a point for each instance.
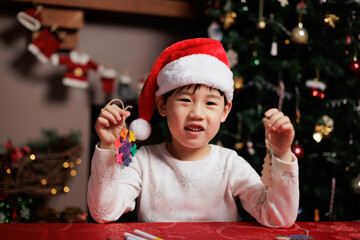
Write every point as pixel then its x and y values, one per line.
pixel 210 103
pixel 184 100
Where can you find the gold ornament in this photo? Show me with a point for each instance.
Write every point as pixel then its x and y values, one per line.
pixel 299 35
pixel 228 19
pixel 323 129
pixel 331 19
pixel 238 83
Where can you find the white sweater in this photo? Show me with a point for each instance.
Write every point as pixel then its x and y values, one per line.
pixel 170 190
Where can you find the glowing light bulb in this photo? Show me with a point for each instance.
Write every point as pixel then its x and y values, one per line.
pixel 317 137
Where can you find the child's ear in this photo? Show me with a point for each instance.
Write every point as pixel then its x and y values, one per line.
pixel 226 111
pixel 160 105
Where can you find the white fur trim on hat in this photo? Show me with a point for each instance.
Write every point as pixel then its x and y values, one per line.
pixel 141 128
pixel 28 21
pixel 196 69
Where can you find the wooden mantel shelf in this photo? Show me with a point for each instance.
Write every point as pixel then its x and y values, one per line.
pixel 166 8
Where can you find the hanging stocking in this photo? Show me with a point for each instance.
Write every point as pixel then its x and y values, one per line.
pixel 108 77
pixel 46 44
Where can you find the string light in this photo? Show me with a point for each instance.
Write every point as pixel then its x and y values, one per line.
pixel 66 189
pixel 73 172
pixel 8 171
pixel 65 164
pixel 43 181
pixel 78 161
pixel 71 165
pixel 53 191
pixel 32 157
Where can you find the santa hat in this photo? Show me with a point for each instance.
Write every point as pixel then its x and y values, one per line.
pixel 31 18
pixel 193 61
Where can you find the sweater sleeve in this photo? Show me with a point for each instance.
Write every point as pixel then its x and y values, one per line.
pixel 278 205
pixel 112 188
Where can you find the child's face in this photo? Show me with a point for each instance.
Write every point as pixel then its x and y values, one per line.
pixel 194 117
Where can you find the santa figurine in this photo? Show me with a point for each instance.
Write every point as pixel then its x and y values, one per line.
pixel 78 64
pixel 31 18
pixel 46 43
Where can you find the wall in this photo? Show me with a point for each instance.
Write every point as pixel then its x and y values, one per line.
pixel 33 98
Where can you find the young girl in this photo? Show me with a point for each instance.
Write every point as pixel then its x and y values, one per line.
pixel 188 179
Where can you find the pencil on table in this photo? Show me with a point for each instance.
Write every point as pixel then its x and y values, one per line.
pixel 146 235
pixel 130 236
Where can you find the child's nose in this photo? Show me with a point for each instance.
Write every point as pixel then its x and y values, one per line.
pixel 196 112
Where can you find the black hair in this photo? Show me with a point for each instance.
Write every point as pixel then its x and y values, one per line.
pixel 197 86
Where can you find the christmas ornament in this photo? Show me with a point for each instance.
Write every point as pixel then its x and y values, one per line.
pixel 125 146
pixel 228 20
pixel 31 18
pixel 323 129
pixel 355 184
pixel 298 150
pixel 108 76
pixel 348 40
pixel 274 49
pixel 299 34
pixel 354 65
pixel 233 57
pixel 215 31
pixel 78 64
pixel 250 147
pixel 330 19
pixel 255 60
pixel 238 84
pixel 283 3
pixel 317 87
pixel 46 44
pixel 261 24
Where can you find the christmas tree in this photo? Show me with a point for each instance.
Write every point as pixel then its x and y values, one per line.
pixel 300 57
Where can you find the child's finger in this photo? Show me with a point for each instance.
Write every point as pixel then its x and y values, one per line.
pixel 279 123
pixel 103 122
pixel 114 110
pixel 109 116
pixel 270 112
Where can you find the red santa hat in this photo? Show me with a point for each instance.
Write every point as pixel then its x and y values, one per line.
pixel 31 18
pixel 193 61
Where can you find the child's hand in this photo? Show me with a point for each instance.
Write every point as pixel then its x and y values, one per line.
pixel 280 133
pixel 109 124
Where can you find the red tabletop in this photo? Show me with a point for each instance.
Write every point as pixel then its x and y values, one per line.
pixel 196 231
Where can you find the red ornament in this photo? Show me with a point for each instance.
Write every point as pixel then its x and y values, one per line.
pixel 317 93
pixel 354 66
pixel 298 150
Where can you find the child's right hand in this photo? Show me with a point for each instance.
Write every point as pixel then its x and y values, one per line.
pixel 109 124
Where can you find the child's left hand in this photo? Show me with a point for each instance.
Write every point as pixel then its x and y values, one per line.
pixel 280 133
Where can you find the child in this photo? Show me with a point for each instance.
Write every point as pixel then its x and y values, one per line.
pixel 189 179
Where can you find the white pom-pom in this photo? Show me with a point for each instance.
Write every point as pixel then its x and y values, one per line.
pixel 141 128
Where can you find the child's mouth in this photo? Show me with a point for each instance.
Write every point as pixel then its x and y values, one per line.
pixel 194 128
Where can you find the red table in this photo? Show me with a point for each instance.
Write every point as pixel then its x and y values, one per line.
pixel 196 231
